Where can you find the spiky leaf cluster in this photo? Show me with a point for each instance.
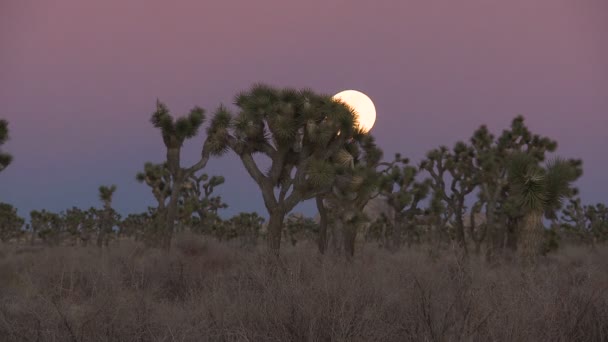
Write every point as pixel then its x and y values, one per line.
pixel 540 188
pixel 175 131
pixel 399 184
pixel 458 164
pixel 5 158
pixel 520 138
pixel 158 178
pixel 106 193
pixel 197 198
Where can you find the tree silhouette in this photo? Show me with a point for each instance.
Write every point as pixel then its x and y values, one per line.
pixel 5 158
pixel 537 190
pixel 297 131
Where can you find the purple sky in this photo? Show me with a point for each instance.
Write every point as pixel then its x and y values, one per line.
pixel 79 79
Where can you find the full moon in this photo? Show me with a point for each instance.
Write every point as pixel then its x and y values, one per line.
pixel 362 105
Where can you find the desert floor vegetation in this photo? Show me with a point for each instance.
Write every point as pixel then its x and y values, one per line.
pixel 205 290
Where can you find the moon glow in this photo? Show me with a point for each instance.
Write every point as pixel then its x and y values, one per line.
pixel 362 105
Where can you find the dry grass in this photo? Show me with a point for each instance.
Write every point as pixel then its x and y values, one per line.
pixel 205 291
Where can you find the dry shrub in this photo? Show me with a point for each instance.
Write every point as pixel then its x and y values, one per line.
pixel 206 291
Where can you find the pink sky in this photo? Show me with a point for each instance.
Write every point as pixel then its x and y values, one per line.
pixel 78 80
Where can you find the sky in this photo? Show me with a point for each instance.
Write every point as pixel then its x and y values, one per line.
pixel 79 80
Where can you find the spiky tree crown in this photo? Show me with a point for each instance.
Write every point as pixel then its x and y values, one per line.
pixel 520 137
pixel 303 133
pixel 459 163
pixel 354 165
pixel 279 117
pixel 106 193
pixel 156 176
pixel 399 184
pixel 5 158
pixel 175 131
pixel 538 188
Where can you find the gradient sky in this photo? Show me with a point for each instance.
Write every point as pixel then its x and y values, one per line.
pixel 79 79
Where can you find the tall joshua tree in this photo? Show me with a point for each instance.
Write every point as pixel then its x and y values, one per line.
pixel 538 190
pixel 174 133
pixel 491 161
pixel 356 182
pixel 297 131
pixel 463 179
pixel 5 158
pixel 403 193
pixel 107 218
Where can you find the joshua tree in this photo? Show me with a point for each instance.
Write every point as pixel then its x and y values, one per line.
pixel 89 225
pixel 174 133
pixel 197 198
pixel 403 193
pixel 47 225
pixel 74 220
pixel 491 161
pixel 158 178
pixel 5 158
pixel 538 190
pixel 355 183
pixel 439 215
pixel 589 223
pixel 597 215
pixel 458 164
pixel 298 131
pixel 108 216
pixel 10 223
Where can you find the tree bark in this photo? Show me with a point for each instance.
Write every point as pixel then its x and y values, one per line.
pixel 322 240
pixel 531 236
pixel 495 241
pixel 350 236
pixel 275 226
pixel 460 230
pixel 171 213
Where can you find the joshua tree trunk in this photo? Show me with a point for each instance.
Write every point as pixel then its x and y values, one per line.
pixel 171 214
pixel 460 230
pixel 173 162
pixel 350 236
pixel 102 228
pixel 477 231
pixel 322 242
pixel 511 234
pixel 496 238
pixel 531 236
pixel 275 225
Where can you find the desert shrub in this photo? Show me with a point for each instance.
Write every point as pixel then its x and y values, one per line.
pixel 202 290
